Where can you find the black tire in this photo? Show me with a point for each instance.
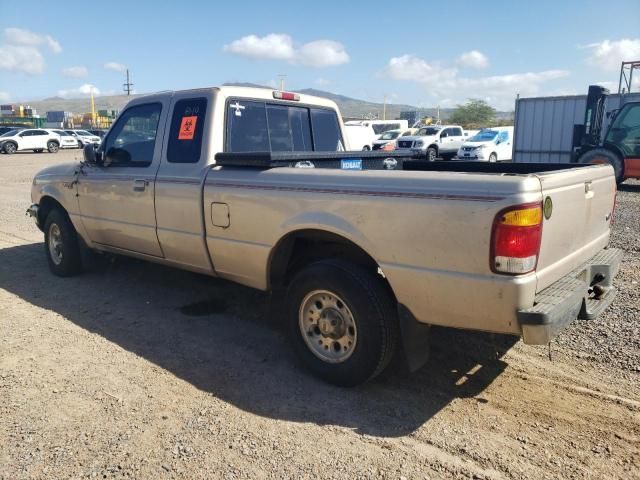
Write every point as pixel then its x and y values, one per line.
pixel 372 311
pixel 432 154
pixel 53 147
pixel 39 150
pixel 10 148
pixel 70 261
pixel 598 155
pixel 493 157
pixel 366 148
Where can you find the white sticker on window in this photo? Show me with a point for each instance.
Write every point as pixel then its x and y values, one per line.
pixel 238 108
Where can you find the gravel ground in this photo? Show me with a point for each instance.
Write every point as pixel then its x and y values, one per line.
pixel 111 375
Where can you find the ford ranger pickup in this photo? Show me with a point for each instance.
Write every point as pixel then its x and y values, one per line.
pixel 365 249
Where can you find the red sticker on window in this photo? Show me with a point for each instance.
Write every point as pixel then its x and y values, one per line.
pixel 187 128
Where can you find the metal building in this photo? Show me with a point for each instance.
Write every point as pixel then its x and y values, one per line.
pixel 544 125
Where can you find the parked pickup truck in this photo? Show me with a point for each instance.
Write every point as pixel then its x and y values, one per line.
pixel 365 249
pixel 433 141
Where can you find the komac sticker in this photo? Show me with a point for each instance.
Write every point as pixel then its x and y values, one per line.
pixel 187 128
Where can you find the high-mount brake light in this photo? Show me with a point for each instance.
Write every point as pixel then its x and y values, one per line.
pixel 286 96
pixel 515 239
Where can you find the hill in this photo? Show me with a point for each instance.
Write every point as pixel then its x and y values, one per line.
pixel 350 107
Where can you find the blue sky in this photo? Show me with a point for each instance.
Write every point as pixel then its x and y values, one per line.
pixel 423 53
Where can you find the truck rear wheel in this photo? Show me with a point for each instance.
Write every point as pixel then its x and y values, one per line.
pixel 342 322
pixel 61 245
pixel 602 155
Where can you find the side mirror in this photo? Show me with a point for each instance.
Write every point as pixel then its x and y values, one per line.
pixel 91 156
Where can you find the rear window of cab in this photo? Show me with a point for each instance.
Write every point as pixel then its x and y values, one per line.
pixel 260 126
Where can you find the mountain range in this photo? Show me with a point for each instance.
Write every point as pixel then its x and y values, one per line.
pixel 349 107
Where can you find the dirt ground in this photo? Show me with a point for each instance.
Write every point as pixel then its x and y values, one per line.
pixel 141 371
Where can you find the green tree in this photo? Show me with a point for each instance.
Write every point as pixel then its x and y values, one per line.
pixel 475 113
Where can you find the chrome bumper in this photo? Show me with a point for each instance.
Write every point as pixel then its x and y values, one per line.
pixel 32 211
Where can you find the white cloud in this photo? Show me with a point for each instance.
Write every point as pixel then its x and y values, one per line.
pixel 473 59
pixel 410 67
pixel 608 54
pixel 446 83
pixel 80 92
pixel 279 46
pixel 115 66
pixel 322 53
pixel 75 72
pixel 275 46
pixel 19 36
pixel 4 96
pixel 23 59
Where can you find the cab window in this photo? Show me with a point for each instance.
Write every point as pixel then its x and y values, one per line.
pixel 187 130
pixel 132 140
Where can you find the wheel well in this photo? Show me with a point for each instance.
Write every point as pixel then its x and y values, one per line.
pixel 433 145
pixel 53 140
pixel 44 208
pixel 302 247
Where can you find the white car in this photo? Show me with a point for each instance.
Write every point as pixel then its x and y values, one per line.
pixel 66 139
pixel 35 139
pixel 433 141
pixel 359 137
pixel 387 141
pixel 488 145
pixel 84 137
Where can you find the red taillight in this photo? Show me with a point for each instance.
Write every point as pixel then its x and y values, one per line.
pixel 286 95
pixel 515 239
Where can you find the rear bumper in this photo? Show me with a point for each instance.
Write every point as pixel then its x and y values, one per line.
pixel 584 293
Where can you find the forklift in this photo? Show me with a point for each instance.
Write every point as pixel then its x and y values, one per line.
pixel 621 145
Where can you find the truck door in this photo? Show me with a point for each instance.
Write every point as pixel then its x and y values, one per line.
pixel 448 141
pixel 117 199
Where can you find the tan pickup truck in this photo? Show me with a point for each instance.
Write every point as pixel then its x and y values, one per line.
pixel 366 250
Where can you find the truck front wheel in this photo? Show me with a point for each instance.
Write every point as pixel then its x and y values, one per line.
pixel 602 155
pixel 342 322
pixel 61 245
pixel 432 154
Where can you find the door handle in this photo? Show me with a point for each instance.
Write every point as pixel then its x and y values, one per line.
pixel 140 185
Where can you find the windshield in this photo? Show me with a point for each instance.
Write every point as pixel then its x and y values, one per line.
pixel 389 135
pixel 484 136
pixel 428 131
pixel 10 133
pixel 83 132
pixel 61 133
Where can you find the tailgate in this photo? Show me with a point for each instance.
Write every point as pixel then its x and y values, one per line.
pixel 582 207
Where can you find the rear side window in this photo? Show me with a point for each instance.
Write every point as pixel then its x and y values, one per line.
pixel 247 127
pixel 326 131
pixel 456 132
pixel 187 130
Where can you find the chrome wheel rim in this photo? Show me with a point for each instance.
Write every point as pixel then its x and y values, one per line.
pixel 10 148
pixel 55 244
pixel 431 154
pixel 327 326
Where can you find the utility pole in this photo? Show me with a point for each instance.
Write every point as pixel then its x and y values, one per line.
pixel 384 109
pixel 281 76
pixel 127 86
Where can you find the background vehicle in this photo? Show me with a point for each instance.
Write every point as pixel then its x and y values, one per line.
pixel 66 139
pixel 84 137
pixel 387 141
pixel 490 144
pixel 433 141
pixel 621 145
pixel 36 139
pixel 186 179
pixel 381 126
pixel 98 132
pixel 359 137
pixel 4 130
